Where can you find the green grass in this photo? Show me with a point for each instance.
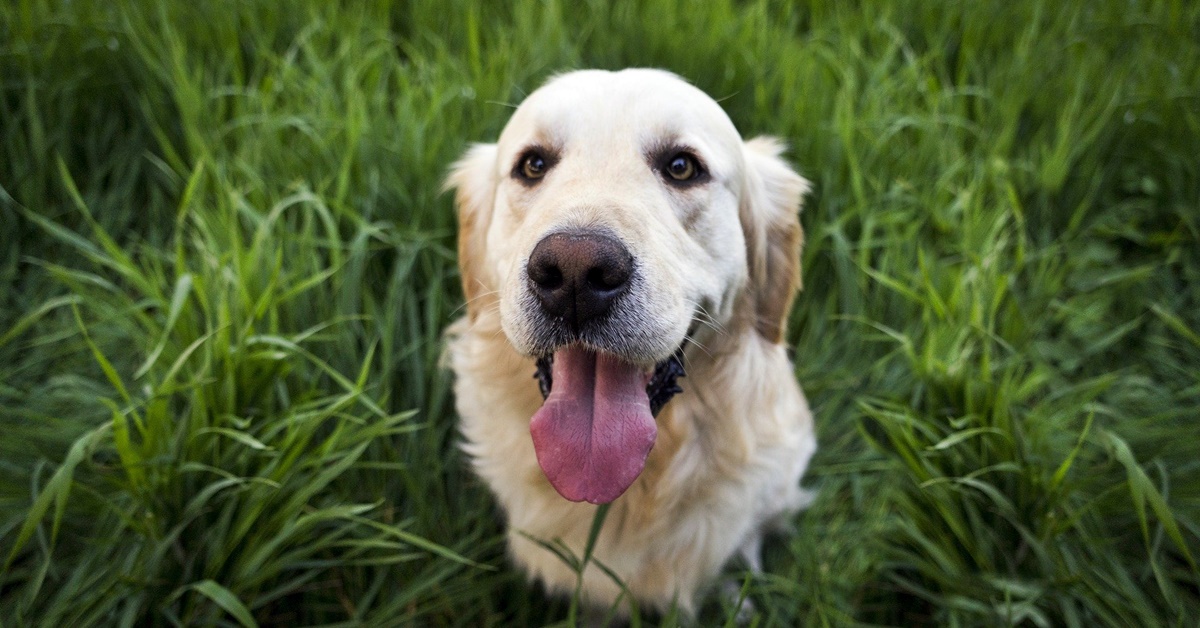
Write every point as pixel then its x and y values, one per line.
pixel 225 264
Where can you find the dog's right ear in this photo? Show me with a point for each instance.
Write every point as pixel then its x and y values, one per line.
pixel 474 181
pixel 770 215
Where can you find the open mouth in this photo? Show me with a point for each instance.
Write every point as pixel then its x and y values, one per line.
pixel 596 427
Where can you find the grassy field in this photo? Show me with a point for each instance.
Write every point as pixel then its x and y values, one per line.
pixel 225 264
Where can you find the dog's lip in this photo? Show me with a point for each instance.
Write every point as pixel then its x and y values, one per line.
pixel 660 376
pixel 661 379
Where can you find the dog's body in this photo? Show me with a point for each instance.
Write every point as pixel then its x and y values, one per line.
pixel 619 221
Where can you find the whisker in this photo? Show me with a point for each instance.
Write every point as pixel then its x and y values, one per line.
pixel 458 310
pixel 703 316
pixel 698 345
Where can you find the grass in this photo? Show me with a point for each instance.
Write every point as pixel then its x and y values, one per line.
pixel 225 266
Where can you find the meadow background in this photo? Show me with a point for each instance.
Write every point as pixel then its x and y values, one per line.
pixel 225 265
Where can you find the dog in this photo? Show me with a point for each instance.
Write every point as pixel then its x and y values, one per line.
pixel 628 264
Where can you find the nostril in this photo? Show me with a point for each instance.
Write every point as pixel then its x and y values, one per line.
pixel 606 278
pixel 554 279
pixel 546 275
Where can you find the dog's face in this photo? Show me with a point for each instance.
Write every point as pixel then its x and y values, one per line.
pixel 617 213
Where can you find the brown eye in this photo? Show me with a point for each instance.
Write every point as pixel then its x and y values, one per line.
pixel 533 166
pixel 682 167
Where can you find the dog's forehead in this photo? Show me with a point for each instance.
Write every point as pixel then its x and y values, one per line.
pixel 645 106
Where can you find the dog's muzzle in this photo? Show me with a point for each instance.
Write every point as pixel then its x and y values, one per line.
pixel 596 425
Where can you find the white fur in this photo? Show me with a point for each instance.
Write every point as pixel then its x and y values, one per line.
pixel 732 447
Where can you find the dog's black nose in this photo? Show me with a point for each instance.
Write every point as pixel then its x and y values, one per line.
pixel 577 275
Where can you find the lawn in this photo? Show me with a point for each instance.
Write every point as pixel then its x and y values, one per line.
pixel 226 262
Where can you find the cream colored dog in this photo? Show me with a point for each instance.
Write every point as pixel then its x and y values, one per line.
pixel 619 232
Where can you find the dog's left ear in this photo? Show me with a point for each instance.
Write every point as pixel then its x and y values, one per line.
pixel 473 180
pixel 770 216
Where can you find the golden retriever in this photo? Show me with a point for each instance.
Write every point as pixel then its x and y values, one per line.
pixel 619 233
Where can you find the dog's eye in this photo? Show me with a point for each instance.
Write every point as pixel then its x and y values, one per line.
pixel 682 167
pixel 533 166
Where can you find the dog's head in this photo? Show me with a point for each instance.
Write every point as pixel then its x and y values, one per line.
pixel 617 214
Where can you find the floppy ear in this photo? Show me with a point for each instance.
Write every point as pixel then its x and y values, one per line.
pixel 473 179
pixel 770 216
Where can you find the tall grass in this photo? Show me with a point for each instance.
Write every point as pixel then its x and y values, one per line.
pixel 225 266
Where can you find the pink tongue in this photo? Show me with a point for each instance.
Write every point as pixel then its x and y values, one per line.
pixel 594 431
